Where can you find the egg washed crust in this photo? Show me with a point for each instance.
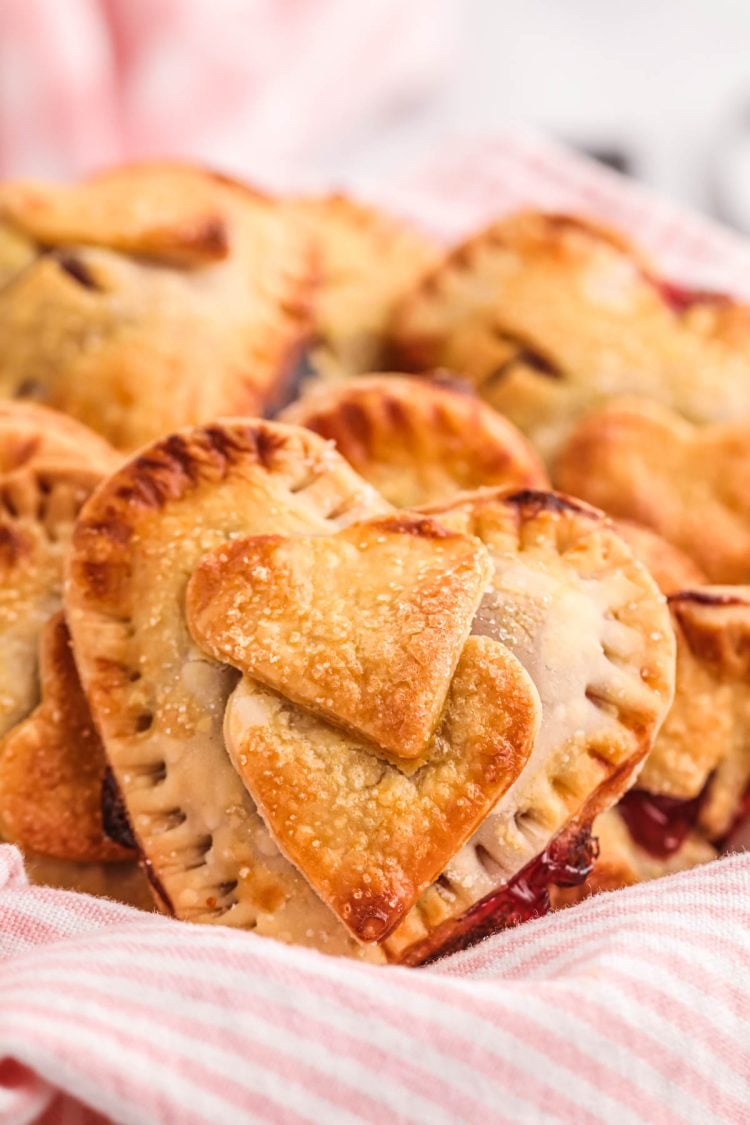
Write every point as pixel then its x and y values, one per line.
pixel 550 315
pixel 158 701
pixel 418 440
pixel 589 625
pixel 150 297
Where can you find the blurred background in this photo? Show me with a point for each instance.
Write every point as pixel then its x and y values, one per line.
pixel 313 92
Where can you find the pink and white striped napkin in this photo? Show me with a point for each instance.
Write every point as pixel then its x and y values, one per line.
pixel 632 1007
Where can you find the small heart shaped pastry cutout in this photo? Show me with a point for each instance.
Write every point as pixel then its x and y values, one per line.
pixel 368 837
pixel 363 628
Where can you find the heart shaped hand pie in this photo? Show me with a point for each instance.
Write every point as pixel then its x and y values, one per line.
pixel 369 838
pixel 137 283
pixel 418 440
pixel 690 484
pixel 364 628
pixel 566 597
pixel 550 316
pixel 158 701
pixel 590 627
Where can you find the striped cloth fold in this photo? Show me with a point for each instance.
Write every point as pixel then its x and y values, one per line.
pixel 631 1007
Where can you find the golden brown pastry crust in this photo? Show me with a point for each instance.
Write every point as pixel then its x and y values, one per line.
pixel 690 484
pixel 671 568
pixel 48 466
pixel 52 765
pixel 157 699
pixel 419 440
pixel 367 260
pixel 707 733
pixel 51 761
pixel 37 511
pixel 368 837
pixel 550 315
pixel 363 628
pixel 156 295
pixel 593 632
pixel 702 745
pixel 32 435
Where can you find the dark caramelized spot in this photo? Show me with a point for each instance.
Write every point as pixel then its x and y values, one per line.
pixel 30 388
pixel 566 862
pixel 144 722
pixel 520 353
pixel 355 422
pixel 531 502
pixel 295 372
pixel 179 452
pixel 422 528
pixel 13 545
pixel 268 444
pixel 115 821
pixel 76 269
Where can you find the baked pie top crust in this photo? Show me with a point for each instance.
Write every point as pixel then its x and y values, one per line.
pixel 367 260
pixel 418 440
pixel 363 628
pixel 369 836
pixel 150 296
pixel 690 484
pixel 550 315
pixel 589 626
pixel 32 435
pixel 671 568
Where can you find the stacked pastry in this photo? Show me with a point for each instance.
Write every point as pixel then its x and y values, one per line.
pixel 357 678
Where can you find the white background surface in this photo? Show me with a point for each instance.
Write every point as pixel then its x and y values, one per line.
pixel 668 80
